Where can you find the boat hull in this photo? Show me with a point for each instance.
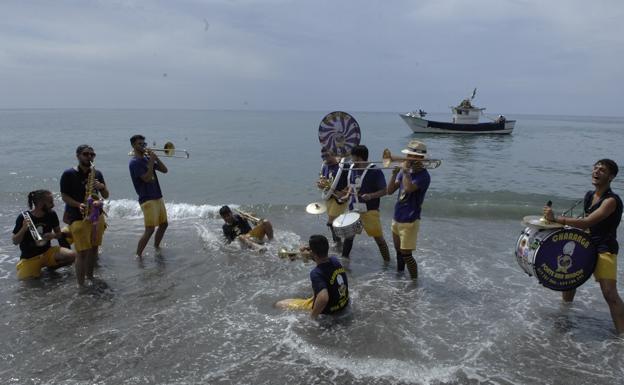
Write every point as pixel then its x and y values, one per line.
pixel 418 124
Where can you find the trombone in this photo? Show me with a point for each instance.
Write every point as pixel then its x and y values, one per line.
pixel 390 162
pixel 169 151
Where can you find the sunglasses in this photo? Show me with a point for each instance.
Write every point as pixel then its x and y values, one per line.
pixel 88 154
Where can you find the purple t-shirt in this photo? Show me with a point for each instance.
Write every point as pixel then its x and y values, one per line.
pixel 408 205
pixel 374 180
pixel 147 191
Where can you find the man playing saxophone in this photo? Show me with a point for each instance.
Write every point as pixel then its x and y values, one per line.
pixel 33 231
pixel 83 190
pixel 333 182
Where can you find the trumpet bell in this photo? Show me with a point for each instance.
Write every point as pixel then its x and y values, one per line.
pixel 169 149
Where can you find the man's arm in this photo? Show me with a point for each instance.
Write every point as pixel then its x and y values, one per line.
pixel 320 301
pixel 607 207
pixel 394 184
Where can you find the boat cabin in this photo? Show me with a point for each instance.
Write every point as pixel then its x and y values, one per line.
pixel 466 113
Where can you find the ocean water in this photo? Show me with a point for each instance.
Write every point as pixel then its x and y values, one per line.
pixel 202 312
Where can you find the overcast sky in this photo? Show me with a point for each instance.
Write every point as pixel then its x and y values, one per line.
pixel 524 56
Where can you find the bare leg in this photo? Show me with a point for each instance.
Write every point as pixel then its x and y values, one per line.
pixel 64 257
pixel 160 233
pixel 147 234
pixel 268 229
pixel 80 266
pixel 568 296
pixel 90 265
pixel 616 307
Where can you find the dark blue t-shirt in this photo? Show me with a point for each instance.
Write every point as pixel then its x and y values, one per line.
pixel 408 206
pixel 332 276
pixel 44 225
pixel 146 191
pixel 330 172
pixel 374 180
pixel 73 183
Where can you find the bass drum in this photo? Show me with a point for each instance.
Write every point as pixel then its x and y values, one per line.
pixel 561 259
pixel 339 132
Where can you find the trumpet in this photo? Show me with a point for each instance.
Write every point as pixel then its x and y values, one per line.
pixel 168 150
pixel 390 162
pixel 34 233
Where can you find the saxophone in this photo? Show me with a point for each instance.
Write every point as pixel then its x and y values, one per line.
pixel 92 212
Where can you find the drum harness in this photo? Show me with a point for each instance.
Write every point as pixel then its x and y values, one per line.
pixel 357 185
pixel 329 193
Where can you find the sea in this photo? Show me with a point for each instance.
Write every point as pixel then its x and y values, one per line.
pixel 202 311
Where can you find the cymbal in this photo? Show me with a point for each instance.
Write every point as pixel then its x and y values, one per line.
pixel 316 208
pixel 539 222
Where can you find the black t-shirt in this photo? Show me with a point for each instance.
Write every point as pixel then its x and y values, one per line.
pixel 73 183
pixel 238 227
pixel 604 234
pixel 44 225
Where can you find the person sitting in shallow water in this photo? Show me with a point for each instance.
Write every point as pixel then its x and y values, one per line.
pixel 329 283
pixel 236 226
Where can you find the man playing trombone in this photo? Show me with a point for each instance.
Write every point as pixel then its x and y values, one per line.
pixel 412 180
pixel 367 184
pixel 143 166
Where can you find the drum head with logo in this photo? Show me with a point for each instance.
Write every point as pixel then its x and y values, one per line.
pixel 565 259
pixel 339 132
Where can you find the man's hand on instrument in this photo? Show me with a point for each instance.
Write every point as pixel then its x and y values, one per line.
pixel 548 214
pixel 366 197
pixel 99 185
pixel 49 236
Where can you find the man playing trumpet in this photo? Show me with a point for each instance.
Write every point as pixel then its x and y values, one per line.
pixel 412 181
pixel 33 231
pixel 333 182
pixel 143 167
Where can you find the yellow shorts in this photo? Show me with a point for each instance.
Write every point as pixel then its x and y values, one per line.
pixel 606 266
pixel 299 303
pixel 257 232
pixel 408 234
pixel 371 223
pixel 154 212
pixel 31 267
pixel 334 209
pixel 81 233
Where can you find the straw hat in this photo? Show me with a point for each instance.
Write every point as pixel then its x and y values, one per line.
pixel 416 148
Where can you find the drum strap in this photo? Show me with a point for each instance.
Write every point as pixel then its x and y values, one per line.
pixel 358 180
pixel 328 194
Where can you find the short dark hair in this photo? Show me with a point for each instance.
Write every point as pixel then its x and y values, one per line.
pixel 609 164
pixel 360 151
pixel 224 210
pixel 319 245
pixel 82 147
pixel 134 138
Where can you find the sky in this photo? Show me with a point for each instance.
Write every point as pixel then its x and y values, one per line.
pixel 558 57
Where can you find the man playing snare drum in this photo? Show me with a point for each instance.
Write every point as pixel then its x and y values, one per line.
pixel 603 213
pixel 367 185
pixel 412 181
pixel 333 180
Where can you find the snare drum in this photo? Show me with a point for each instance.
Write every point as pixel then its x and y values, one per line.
pixel 347 225
pixel 561 259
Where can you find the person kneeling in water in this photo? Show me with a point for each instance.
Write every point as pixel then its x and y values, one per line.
pixel 237 227
pixel 329 282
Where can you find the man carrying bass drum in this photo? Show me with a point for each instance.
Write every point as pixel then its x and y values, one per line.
pixel 603 213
